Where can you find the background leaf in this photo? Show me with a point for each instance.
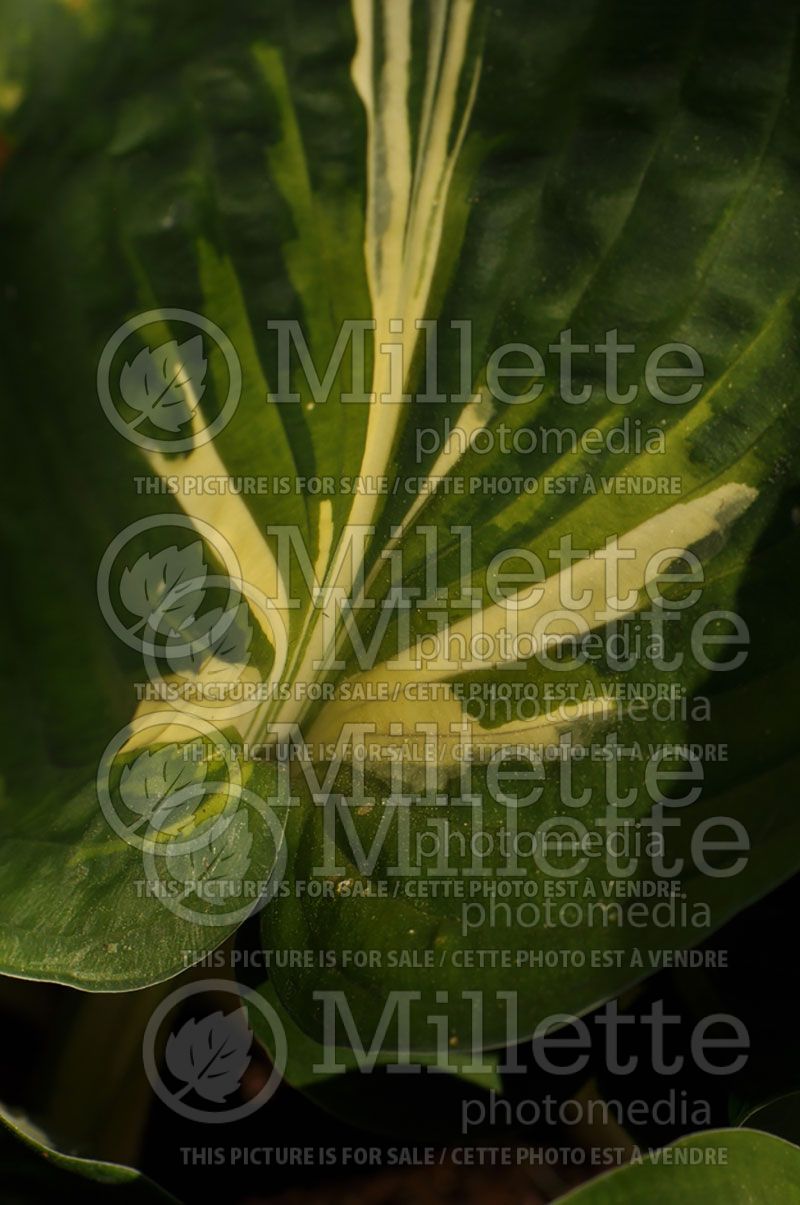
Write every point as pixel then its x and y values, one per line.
pixel 756 1168
pixel 32 1167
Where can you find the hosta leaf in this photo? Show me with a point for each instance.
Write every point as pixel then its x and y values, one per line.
pixel 526 169
pixel 719 1165
pixel 111 931
pixel 34 1170
pixel 306 1061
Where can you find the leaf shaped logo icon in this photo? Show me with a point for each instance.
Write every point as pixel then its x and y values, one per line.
pixel 165 385
pixel 210 1056
pixel 169 582
pixel 214 870
pixel 217 642
pixel 148 782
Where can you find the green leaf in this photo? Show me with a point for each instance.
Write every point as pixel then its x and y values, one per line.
pixel 33 1170
pixel 614 210
pixel 715 1166
pixel 327 164
pixel 306 1062
pixel 361 1088
pixel 110 932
